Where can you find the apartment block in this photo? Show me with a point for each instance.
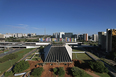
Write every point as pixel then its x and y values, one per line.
pixel 85 37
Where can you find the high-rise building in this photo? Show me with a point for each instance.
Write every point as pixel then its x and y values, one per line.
pixel 80 37
pixel 69 35
pixel 111 40
pixel 61 35
pixel 56 35
pixel 85 37
pixel 102 39
pixel 95 37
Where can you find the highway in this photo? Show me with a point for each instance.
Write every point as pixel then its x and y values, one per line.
pixel 9 52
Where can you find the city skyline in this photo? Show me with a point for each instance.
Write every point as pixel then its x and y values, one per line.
pixel 78 17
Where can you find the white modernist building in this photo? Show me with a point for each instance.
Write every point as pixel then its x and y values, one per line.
pixel 58 53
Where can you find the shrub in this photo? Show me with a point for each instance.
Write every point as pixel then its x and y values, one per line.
pixel 77 72
pixel 98 66
pixel 55 70
pixel 21 66
pixel 61 71
pixel 6 74
pixel 8 57
pixel 37 71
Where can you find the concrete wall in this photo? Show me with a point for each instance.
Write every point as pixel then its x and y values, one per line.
pixel 32 46
pixel 42 43
pixel 69 50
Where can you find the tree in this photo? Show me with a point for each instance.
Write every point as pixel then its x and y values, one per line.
pixel 55 70
pixel 77 72
pixel 21 66
pixel 61 71
pixel 37 71
pixel 8 74
pixel 98 66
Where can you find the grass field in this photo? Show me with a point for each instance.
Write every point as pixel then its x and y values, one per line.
pixel 36 57
pixel 77 49
pixel 80 56
pixel 4 66
pixel 103 74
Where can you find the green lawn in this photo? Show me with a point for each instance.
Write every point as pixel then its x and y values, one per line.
pixel 36 57
pixel 4 66
pixel 80 56
pixel 103 74
pixel 77 49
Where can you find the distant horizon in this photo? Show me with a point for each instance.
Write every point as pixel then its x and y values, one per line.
pixel 77 16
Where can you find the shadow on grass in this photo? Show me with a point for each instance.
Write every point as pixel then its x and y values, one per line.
pixel 69 72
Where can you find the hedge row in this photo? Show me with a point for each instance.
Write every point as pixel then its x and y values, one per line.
pixel 8 57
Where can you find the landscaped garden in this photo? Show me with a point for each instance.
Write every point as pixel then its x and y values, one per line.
pixel 80 56
pixel 7 64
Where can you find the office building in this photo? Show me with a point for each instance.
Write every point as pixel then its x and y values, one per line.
pixel 1 35
pixel 102 40
pixel 24 35
pixel 80 37
pixel 2 39
pixel 56 35
pixel 17 35
pixel 111 40
pixel 33 34
pixel 95 37
pixel 7 35
pixel 61 35
pixel 69 35
pixel 85 37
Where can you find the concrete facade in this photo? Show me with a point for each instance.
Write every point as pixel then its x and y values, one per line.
pixel 95 37
pixel 102 39
pixel 61 35
pixel 109 35
pixel 85 37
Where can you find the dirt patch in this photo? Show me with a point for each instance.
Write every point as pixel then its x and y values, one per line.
pixel 33 64
pixel 48 68
pixel 48 72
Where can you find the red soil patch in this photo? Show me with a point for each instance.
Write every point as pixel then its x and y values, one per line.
pixel 48 68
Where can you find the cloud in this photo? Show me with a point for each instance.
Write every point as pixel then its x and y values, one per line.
pixel 19 26
pixel 38 28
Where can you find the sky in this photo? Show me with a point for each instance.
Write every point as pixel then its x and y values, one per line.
pixel 50 16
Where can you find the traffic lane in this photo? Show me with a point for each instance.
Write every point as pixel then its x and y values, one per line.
pixel 9 52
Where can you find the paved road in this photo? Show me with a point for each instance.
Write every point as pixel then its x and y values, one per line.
pixel 9 52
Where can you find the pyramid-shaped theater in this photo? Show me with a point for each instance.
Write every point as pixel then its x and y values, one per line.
pixel 57 53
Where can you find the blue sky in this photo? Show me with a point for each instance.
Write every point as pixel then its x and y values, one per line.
pixel 77 16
